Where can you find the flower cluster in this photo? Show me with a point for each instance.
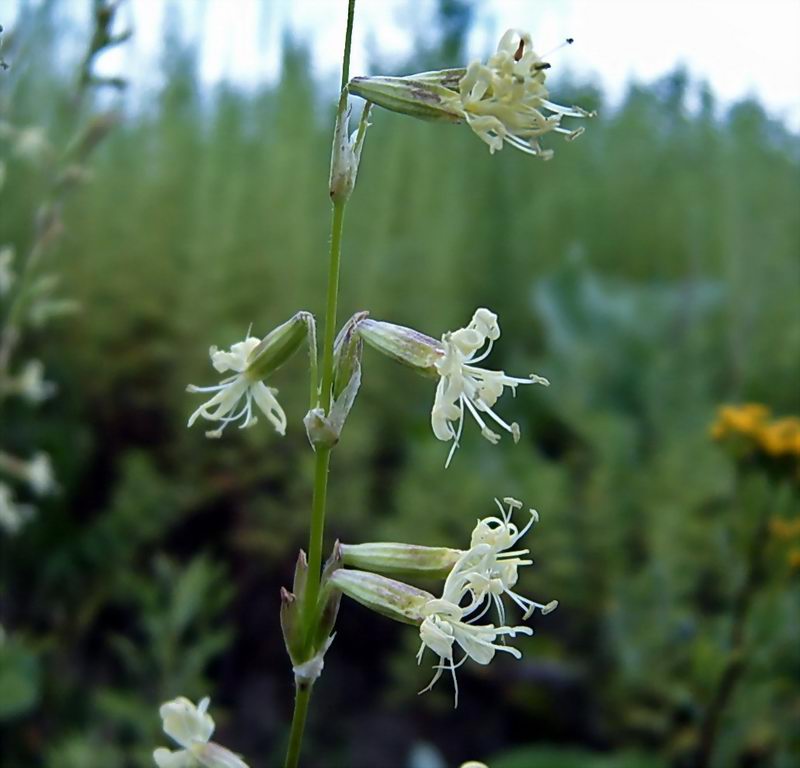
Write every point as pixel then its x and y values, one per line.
pixel 481 576
pixel 192 727
pixel 750 432
pixel 477 581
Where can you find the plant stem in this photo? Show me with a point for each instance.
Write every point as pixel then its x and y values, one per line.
pixel 322 461
pixel 737 654
pixel 302 697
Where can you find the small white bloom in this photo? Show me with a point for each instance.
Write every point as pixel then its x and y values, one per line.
pixel 31 384
pixel 39 474
pixel 6 273
pixel 191 727
pixel 443 626
pixel 495 573
pixel 503 100
pixel 463 385
pixel 12 515
pixel 230 391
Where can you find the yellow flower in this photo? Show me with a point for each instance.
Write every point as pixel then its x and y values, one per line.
pixel 747 420
pixel 794 558
pixel 781 437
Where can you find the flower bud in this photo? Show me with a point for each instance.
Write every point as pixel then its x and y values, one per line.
pixel 300 574
pixel 347 354
pixel 346 151
pixel 323 429
pixel 278 346
pixel 428 95
pixel 388 597
pixel 406 560
pixel 329 599
pixel 292 608
pixel 291 626
pixel 405 345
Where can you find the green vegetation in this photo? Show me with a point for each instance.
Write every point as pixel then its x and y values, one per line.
pixel 651 271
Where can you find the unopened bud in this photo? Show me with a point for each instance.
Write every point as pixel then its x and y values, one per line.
pixel 405 345
pixel 427 96
pixel 300 574
pixel 347 354
pixel 346 151
pixel 394 599
pixel 278 346
pixel 405 560
pixel 291 626
pixel 329 599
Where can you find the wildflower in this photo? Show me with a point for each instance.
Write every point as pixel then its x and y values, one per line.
pixel 747 420
pixel 39 474
pixel 504 100
pixel 191 727
pixel 6 273
pixel 31 384
pixel 230 391
pixel 251 360
pixel 781 437
pixel 463 385
pixel 495 573
pixel 443 626
pixel 12 515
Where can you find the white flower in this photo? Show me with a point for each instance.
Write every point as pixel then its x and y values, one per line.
pixel 464 385
pixel 31 384
pixel 495 573
pixel 503 100
pixel 443 626
pixel 481 576
pixel 191 726
pixel 6 273
pixel 39 474
pixel 230 391
pixel 12 515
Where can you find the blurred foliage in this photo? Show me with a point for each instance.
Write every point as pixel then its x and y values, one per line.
pixel 650 271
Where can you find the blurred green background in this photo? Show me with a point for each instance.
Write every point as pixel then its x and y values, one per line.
pixel 651 271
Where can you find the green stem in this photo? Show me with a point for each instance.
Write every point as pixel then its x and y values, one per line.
pixel 316 534
pixel 323 455
pixel 348 38
pixel 302 697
